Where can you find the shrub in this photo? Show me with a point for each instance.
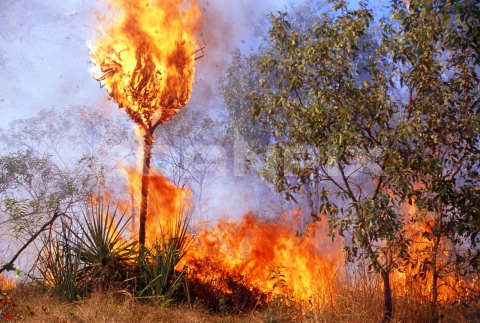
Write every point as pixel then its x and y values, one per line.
pixel 157 277
pixel 59 267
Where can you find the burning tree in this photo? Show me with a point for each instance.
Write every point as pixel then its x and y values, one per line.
pixel 144 56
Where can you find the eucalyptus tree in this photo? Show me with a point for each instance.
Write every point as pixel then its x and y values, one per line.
pixel 51 162
pixel 240 80
pixel 378 111
pixel 435 50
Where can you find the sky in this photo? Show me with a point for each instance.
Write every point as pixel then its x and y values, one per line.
pixel 44 60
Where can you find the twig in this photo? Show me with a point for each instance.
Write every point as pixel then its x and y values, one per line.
pixel 32 238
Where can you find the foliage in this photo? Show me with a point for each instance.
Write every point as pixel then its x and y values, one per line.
pixel 37 177
pixel 241 79
pixel 158 277
pixel 377 112
pixel 85 132
pixel 36 167
pixel 59 267
pixel 101 244
pixel 93 252
pixel 31 186
pixel 87 253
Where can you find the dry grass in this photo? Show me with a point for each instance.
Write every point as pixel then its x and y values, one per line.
pixel 32 305
pixel 350 305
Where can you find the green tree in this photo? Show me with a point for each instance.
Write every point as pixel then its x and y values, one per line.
pixel 435 48
pixel 31 187
pixel 52 161
pixel 370 109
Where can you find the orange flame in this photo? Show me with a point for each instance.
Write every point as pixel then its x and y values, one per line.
pixel 416 278
pixel 273 257
pixel 6 283
pixel 144 55
pixel 276 259
pixel 166 204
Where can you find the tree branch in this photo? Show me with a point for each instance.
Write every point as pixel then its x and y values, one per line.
pixel 32 238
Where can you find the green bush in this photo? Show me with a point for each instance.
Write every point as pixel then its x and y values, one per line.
pixel 93 252
pixel 158 278
pixel 59 266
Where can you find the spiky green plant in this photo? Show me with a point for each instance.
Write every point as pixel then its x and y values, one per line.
pixel 158 278
pixel 101 242
pixel 59 266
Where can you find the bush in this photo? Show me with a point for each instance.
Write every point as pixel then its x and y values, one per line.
pixel 157 277
pixel 94 252
pixel 106 254
pixel 59 266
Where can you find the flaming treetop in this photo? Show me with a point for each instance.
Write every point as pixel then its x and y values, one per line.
pixel 144 55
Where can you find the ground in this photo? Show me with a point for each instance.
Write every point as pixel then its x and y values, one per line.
pixel 28 304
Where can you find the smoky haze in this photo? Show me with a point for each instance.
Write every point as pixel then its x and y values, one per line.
pixel 45 63
pixel 44 60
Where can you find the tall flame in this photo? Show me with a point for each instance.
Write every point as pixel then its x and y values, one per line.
pixel 167 203
pixel 144 56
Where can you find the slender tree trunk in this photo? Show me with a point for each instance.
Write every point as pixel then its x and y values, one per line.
pixel 311 203
pixel 434 284
pixel 387 298
pixel 437 234
pixel 147 156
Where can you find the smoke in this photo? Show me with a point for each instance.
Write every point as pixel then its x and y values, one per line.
pixel 227 25
pixel 44 63
pixel 44 59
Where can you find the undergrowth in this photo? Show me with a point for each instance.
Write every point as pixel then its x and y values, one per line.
pixel 88 271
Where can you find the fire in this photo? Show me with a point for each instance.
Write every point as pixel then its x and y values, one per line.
pixel 416 278
pixel 276 257
pixel 6 283
pixel 280 257
pixel 167 203
pixel 272 257
pixel 144 56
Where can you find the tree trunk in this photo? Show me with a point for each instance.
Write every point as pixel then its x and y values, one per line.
pixel 147 156
pixel 311 203
pixel 433 305
pixel 387 298
pixel 437 233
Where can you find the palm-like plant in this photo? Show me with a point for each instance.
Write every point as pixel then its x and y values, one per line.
pixel 101 243
pixel 59 266
pixel 158 278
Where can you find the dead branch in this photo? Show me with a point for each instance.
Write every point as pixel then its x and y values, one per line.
pixel 29 241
